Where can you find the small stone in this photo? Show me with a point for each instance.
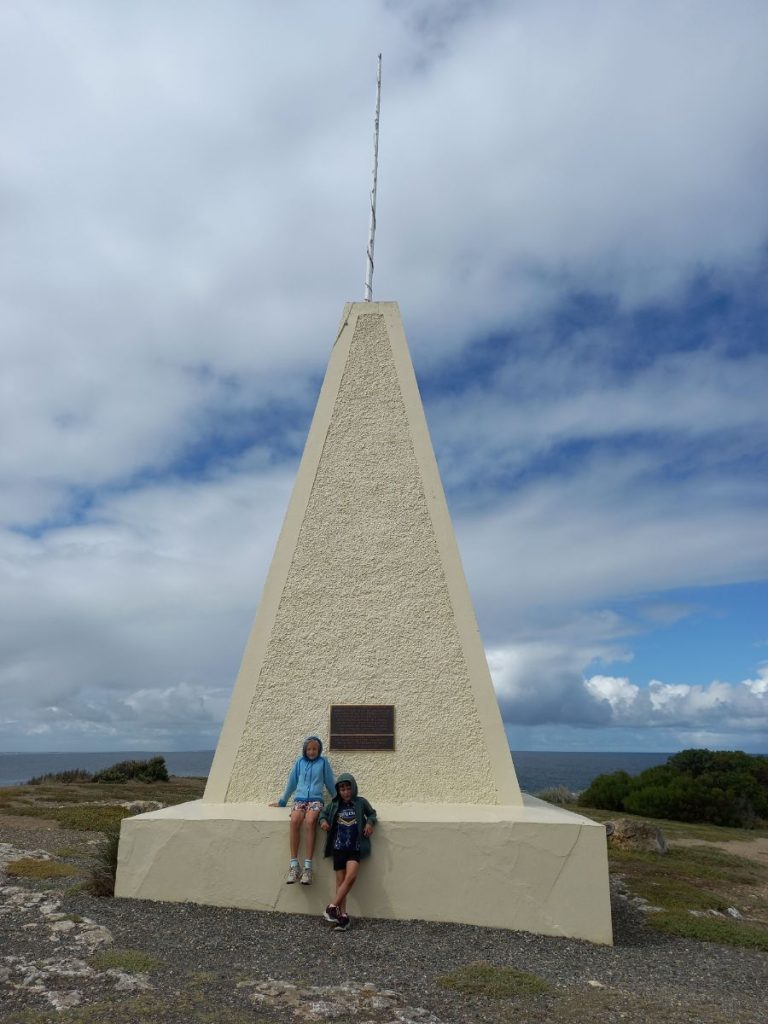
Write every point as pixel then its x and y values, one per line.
pixel 626 834
pixel 62 926
pixel 323 1010
pixel 129 982
pixel 734 912
pixel 380 1002
pixel 593 983
pixel 65 1000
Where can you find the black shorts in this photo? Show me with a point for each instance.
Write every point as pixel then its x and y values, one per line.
pixel 340 858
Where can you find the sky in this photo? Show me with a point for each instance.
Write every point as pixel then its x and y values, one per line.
pixel 573 217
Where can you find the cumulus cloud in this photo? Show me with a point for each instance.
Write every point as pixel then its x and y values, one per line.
pixel 538 686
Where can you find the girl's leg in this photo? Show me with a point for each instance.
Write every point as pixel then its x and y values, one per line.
pixel 294 834
pixel 310 833
pixel 348 879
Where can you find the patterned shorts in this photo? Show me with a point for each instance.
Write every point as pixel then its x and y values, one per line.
pixel 307 805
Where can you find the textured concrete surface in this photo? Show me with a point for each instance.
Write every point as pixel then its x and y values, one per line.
pixel 366 602
pixel 534 867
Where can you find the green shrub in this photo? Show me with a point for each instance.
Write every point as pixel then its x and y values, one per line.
pixel 607 791
pixel 722 787
pixel 153 770
pixel 72 775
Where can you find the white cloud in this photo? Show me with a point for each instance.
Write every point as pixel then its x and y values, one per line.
pixel 541 684
pixel 618 692
pixel 759 686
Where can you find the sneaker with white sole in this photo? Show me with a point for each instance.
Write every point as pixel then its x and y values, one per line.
pixel 342 923
pixel 306 876
pixel 331 914
pixel 294 874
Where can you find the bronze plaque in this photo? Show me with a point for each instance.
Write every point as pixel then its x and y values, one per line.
pixel 362 727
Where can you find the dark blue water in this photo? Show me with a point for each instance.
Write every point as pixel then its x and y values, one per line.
pixel 536 769
pixel 540 769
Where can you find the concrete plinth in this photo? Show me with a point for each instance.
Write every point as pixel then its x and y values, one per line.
pixel 529 867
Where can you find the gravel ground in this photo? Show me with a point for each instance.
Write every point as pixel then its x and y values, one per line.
pixel 210 962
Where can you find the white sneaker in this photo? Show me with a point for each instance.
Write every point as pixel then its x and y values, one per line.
pixel 293 874
pixel 306 876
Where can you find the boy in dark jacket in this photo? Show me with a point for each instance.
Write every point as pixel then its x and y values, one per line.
pixel 348 819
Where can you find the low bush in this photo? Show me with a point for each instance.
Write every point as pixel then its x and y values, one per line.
pixel 719 787
pixel 70 776
pixel 153 770
pixel 561 796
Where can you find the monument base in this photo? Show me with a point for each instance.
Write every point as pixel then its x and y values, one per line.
pixel 533 867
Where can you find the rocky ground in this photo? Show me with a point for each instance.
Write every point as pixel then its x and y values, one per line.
pixel 71 957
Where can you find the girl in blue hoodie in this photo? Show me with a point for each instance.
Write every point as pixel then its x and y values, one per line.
pixel 311 773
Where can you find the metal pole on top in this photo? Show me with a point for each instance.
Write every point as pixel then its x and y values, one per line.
pixel 372 222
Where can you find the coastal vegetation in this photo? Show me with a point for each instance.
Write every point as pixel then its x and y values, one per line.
pixel 152 770
pixel 721 787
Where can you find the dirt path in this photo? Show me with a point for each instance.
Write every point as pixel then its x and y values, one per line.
pixel 752 849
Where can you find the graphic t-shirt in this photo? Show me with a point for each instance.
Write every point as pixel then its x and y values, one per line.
pixel 346 828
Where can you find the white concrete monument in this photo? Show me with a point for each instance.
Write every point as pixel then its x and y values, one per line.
pixel 366 635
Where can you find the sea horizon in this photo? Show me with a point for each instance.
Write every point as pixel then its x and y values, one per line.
pixel 536 769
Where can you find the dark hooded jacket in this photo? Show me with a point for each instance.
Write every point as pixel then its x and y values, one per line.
pixel 366 815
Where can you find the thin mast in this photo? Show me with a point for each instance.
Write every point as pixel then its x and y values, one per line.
pixel 372 223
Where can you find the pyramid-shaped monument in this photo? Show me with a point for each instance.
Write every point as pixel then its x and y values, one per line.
pixel 366 603
pixel 365 635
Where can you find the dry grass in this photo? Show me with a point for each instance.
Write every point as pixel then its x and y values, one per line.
pixel 31 867
pixel 483 979
pixel 132 961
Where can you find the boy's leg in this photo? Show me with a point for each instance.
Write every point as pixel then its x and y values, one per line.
pixel 331 911
pixel 345 883
pixel 339 879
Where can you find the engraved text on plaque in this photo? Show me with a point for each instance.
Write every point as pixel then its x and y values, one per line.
pixel 362 727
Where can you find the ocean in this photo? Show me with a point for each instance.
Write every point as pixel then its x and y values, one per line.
pixel 536 769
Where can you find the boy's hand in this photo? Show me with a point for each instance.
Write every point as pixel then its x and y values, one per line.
pixel 368 831
pixel 275 803
pixel 325 826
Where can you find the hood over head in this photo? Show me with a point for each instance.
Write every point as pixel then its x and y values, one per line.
pixel 306 741
pixel 346 777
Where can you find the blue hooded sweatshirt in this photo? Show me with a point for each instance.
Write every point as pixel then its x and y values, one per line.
pixel 308 778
